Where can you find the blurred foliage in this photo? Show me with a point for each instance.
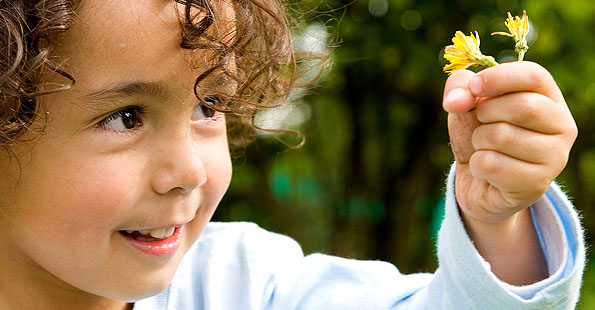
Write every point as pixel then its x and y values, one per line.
pixel 369 182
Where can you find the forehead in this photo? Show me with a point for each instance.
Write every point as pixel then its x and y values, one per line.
pixel 130 40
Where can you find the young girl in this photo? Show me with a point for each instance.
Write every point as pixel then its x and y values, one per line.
pixel 113 125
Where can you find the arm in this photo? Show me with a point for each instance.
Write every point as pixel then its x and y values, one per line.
pixel 511 246
pixel 511 133
pixel 465 279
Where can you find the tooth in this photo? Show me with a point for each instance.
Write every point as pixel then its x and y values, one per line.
pixel 129 231
pixel 144 232
pixel 157 233
pixel 169 232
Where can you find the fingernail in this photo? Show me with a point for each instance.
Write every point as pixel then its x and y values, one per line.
pixel 455 94
pixel 476 85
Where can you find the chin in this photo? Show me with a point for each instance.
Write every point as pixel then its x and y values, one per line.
pixel 141 285
pixel 139 291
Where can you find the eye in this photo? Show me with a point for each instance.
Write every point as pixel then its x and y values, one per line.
pixel 125 119
pixel 203 111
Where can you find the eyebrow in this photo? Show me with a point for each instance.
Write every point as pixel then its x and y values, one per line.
pixel 125 91
pixel 130 90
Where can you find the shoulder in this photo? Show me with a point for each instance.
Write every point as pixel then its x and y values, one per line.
pixel 242 234
pixel 240 244
pixel 218 229
pixel 227 259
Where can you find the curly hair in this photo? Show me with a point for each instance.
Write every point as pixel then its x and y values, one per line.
pixel 264 60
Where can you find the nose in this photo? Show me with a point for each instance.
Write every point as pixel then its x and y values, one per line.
pixel 178 166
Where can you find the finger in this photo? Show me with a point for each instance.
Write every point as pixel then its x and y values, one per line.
pixel 515 77
pixel 457 97
pixel 485 197
pixel 529 110
pixel 516 179
pixel 522 144
pixel 460 130
pixel 458 101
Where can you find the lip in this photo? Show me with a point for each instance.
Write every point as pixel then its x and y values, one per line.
pixel 160 248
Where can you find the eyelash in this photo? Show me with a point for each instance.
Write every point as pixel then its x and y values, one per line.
pixel 206 109
pixel 136 111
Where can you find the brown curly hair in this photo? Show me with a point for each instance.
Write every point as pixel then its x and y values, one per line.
pixel 265 66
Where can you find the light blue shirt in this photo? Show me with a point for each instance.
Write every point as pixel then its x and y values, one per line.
pixel 237 266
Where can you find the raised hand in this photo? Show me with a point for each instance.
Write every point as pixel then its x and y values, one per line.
pixel 511 133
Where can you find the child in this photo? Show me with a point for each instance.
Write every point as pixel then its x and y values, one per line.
pixel 113 119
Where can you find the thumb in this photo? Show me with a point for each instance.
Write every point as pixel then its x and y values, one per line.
pixel 460 104
pixel 460 130
pixel 457 97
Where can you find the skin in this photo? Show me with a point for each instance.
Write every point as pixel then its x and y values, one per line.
pixel 511 133
pixel 68 192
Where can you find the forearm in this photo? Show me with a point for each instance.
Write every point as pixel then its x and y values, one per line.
pixel 511 247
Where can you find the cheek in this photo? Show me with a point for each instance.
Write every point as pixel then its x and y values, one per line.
pixel 219 171
pixel 102 197
pixel 84 198
pixel 221 175
pixel 216 163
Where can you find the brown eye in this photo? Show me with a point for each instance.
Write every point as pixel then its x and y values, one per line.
pixel 126 119
pixel 203 111
pixel 129 119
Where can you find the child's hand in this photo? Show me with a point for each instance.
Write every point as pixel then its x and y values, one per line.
pixel 511 134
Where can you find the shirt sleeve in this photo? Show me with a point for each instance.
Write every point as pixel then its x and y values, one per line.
pixel 464 279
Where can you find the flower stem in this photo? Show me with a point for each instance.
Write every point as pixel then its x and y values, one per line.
pixel 486 61
pixel 522 54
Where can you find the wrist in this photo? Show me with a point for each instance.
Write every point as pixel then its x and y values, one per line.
pixel 504 225
pixel 511 246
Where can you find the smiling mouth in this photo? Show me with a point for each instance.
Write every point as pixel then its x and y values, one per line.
pixel 161 242
pixel 149 235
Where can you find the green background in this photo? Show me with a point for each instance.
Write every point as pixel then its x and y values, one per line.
pixel 369 182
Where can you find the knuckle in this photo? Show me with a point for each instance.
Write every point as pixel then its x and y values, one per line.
pixel 555 159
pixel 502 135
pixel 461 75
pixel 528 108
pixel 539 75
pixel 496 136
pixel 560 167
pixel 477 139
pixel 573 132
pixel 538 185
pixel 541 184
pixel 560 162
pixel 457 79
pixel 484 163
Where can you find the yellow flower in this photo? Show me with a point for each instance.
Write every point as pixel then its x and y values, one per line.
pixel 465 53
pixel 519 28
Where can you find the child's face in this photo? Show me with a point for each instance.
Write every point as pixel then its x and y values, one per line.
pixel 127 148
